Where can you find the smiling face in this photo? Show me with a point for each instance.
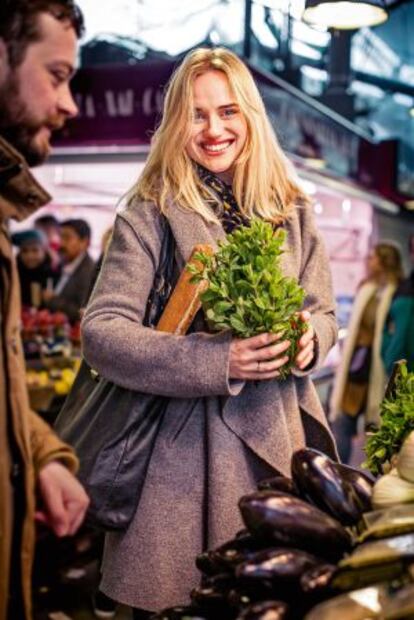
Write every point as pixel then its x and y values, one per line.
pixel 219 128
pixel 34 96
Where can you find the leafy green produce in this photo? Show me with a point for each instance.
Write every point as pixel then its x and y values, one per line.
pixel 397 421
pixel 247 291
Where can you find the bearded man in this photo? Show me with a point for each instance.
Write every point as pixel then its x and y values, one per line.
pixel 38 44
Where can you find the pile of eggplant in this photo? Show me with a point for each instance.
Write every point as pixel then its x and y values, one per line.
pixel 285 561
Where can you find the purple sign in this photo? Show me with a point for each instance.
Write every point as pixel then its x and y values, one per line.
pixel 118 104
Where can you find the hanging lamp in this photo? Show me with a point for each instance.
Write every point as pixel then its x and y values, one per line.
pixel 345 15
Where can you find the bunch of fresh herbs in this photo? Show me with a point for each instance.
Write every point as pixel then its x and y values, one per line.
pixel 397 421
pixel 247 291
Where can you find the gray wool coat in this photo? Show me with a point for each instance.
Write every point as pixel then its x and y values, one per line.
pixel 219 436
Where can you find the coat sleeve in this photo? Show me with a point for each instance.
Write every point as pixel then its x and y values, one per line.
pixel 121 349
pixel 46 446
pixel 315 277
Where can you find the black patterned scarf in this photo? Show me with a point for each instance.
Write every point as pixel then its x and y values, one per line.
pixel 225 204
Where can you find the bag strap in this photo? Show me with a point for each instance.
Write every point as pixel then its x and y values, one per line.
pixel 161 288
pixel 163 279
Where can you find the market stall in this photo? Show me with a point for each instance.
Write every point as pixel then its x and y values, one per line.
pixel 51 348
pixel 327 543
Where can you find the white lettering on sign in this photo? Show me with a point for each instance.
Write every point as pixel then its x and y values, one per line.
pixel 86 105
pixel 120 104
pixel 90 111
pixel 152 101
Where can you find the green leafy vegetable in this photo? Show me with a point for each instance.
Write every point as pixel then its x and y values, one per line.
pixel 247 291
pixel 397 421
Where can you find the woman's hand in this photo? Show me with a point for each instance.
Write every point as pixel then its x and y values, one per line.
pixel 259 357
pixel 306 344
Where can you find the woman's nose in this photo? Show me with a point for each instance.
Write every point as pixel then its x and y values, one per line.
pixel 215 126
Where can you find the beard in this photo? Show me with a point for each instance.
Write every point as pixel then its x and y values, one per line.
pixel 18 126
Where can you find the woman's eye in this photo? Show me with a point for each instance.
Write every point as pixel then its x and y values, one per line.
pixel 198 115
pixel 229 112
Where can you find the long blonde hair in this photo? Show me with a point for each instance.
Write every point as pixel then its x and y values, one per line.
pixel 264 181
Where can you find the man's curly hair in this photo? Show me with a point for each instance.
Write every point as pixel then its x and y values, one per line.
pixel 19 26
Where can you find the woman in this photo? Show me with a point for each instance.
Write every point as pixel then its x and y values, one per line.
pixel 398 336
pixel 360 378
pixel 214 163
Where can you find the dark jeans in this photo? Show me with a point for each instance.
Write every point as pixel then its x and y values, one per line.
pixel 344 428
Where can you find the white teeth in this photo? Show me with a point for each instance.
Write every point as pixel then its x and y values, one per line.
pixel 216 147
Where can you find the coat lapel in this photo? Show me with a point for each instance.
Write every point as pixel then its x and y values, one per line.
pixel 190 229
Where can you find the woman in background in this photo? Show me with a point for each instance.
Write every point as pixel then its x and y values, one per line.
pixel 360 377
pixel 214 164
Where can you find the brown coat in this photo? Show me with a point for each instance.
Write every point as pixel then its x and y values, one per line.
pixel 19 196
pixel 218 436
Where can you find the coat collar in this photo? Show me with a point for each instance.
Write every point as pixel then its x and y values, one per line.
pixel 20 193
pixel 190 229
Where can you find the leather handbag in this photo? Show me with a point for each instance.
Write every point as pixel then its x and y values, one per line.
pixel 113 429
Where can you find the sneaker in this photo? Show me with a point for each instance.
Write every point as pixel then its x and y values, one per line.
pixel 103 606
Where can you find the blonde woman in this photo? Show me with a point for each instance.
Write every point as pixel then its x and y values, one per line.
pixel 360 378
pixel 214 163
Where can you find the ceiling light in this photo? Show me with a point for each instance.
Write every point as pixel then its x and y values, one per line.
pixel 349 15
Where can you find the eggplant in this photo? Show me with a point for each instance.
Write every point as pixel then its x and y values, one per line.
pixel 281 519
pixel 267 610
pixel 339 490
pixel 318 579
pixel 245 594
pixel 179 613
pixel 235 551
pixel 282 567
pixel 278 483
pixel 207 565
pixel 228 555
pixel 362 482
pixel 212 597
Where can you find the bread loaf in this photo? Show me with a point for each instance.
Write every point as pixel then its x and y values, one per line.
pixel 184 301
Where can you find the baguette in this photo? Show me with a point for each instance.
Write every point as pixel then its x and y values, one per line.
pixel 184 301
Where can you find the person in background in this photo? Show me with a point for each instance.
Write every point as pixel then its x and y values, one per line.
pixel 72 290
pixel 34 265
pixel 50 227
pixel 38 41
pixel 214 164
pixel 360 378
pixel 398 337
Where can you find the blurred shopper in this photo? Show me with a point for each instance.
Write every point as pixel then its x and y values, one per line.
pixel 214 164
pixel 398 338
pixel 50 227
pixel 360 378
pixel 78 271
pixel 36 273
pixel 38 40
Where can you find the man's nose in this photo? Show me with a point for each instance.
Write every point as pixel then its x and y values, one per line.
pixel 67 104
